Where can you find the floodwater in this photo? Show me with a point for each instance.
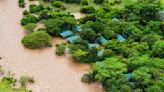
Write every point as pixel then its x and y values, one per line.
pixel 51 73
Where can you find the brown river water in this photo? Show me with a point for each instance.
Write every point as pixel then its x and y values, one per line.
pixel 51 73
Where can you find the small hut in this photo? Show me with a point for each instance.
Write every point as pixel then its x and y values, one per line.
pixel 66 33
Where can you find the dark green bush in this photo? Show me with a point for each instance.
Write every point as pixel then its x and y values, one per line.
pixel 35 8
pixel 21 3
pixel 88 78
pixel 37 40
pixel 25 79
pixel 60 48
pixel 29 19
pixel 87 9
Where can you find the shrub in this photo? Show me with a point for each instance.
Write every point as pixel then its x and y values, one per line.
pixel 57 4
pixel 88 78
pixel 35 8
pixel 60 48
pixel 21 3
pixel 84 2
pixel 25 79
pixel 29 19
pixel 37 40
pixel 98 1
pixel 1 71
pixel 87 9
pixel 30 27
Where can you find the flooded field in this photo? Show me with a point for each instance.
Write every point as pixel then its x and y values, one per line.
pixel 51 73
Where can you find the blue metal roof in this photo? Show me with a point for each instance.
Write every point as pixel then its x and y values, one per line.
pixel 120 38
pixel 115 19
pixel 128 76
pixel 100 53
pixel 91 45
pixel 66 33
pixel 102 39
pixel 73 38
pixel 77 28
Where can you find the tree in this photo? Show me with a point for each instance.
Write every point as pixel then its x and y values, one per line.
pixel 35 8
pixel 36 40
pixel 99 1
pixel 108 67
pixel 21 3
pixel 57 25
pixel 150 39
pixel 29 19
pixel 88 34
pixel 158 49
pixel 87 9
pixel 154 88
pixel 30 27
pixel 60 48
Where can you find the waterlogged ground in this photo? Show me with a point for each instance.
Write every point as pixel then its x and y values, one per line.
pixel 51 73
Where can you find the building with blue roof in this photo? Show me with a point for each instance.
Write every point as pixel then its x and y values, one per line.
pixel 115 19
pixel 73 38
pixel 93 45
pixel 77 28
pixel 128 76
pixel 102 40
pixel 66 33
pixel 100 53
pixel 120 38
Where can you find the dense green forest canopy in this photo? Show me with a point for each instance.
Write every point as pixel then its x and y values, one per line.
pixel 133 64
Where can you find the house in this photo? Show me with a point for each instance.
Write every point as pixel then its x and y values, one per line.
pixel 77 28
pixel 71 39
pixel 102 40
pixel 66 33
pixel 92 45
pixel 120 38
pixel 100 53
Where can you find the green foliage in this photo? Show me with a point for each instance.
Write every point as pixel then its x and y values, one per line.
pixel 29 19
pixel 140 56
pixel 30 27
pixel 25 79
pixel 87 9
pixel 88 78
pixel 6 85
pixel 35 8
pixel 158 49
pixel 60 48
pixel 88 34
pixel 21 3
pixel 98 1
pixel 37 40
pixel 108 67
pixel 55 26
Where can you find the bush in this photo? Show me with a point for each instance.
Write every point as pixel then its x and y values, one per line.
pixel 84 2
pixel 35 8
pixel 60 49
pixel 30 27
pixel 55 26
pixel 25 79
pixel 37 40
pixel 57 4
pixel 87 9
pixel 29 19
pixel 88 78
pixel 21 3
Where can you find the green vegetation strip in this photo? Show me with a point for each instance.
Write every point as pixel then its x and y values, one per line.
pixel 132 39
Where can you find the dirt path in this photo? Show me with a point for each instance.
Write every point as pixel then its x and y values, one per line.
pixel 51 73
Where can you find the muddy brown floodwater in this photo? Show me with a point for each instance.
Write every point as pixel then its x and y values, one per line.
pixel 51 73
